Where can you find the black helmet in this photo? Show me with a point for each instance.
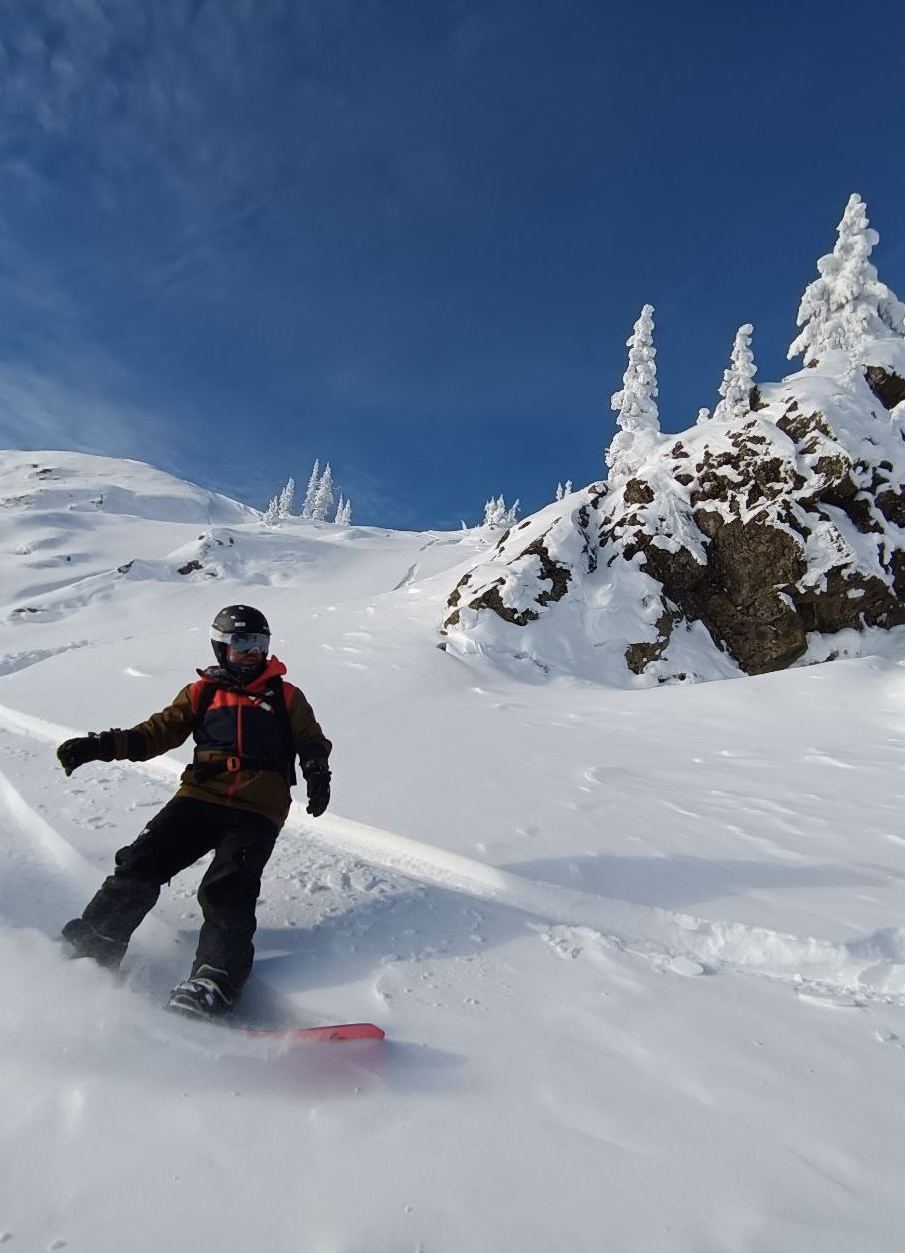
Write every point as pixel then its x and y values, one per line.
pixel 244 630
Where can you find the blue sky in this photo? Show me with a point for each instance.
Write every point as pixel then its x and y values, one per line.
pixel 410 237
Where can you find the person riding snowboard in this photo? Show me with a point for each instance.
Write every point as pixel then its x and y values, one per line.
pixel 234 798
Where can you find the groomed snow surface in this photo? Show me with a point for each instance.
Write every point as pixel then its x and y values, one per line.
pixel 637 953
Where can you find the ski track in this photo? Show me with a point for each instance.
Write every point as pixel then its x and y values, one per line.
pixel 38 863
pixel 11 663
pixel 408 578
pixel 51 847
pixel 870 967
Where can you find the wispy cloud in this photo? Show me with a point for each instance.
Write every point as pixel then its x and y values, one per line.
pixel 175 86
pixel 42 411
pixel 220 194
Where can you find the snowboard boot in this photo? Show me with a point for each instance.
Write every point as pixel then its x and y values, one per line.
pixel 85 941
pixel 202 995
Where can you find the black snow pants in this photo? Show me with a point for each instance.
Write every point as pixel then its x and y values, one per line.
pixel 183 831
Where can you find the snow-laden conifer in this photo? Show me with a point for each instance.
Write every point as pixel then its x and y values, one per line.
pixel 703 416
pixel 287 496
pixel 636 408
pixel 848 304
pixel 344 515
pixel 738 379
pixel 311 490
pixel 272 512
pixel 323 496
pixel 492 511
pixel 496 512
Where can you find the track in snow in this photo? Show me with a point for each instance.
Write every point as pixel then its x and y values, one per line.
pixel 871 967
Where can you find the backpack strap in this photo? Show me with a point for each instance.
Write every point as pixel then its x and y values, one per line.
pixel 205 700
pixel 281 709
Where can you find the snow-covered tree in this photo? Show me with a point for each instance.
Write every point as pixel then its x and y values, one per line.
pixel 286 498
pixel 703 416
pixel 636 408
pixel 344 512
pixel 738 380
pixel 311 490
pixel 272 512
pixel 323 496
pixel 848 304
pixel 563 491
pixel 497 514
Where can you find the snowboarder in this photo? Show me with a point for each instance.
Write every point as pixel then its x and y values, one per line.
pixel 233 799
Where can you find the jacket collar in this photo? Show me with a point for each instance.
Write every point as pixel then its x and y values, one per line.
pixel 222 678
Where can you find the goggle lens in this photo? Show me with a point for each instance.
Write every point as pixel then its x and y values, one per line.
pixel 243 642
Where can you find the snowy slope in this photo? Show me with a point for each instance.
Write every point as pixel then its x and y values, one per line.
pixel 638 953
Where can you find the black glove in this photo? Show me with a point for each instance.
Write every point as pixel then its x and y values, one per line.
pixel 317 776
pixel 84 748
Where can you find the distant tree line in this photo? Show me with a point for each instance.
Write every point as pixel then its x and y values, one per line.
pixel 318 502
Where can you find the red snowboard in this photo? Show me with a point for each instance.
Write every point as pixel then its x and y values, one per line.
pixel 338 1032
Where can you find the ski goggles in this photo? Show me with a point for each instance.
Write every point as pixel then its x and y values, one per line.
pixel 243 641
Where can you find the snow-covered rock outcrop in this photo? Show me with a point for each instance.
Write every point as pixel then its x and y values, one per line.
pixel 740 543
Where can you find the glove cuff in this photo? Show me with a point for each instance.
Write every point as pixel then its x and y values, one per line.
pixel 104 745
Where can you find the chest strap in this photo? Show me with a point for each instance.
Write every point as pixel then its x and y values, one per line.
pixel 204 770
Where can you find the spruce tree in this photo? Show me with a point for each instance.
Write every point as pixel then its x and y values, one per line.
pixel 286 498
pixel 311 490
pixel 636 408
pixel 738 380
pixel 323 496
pixel 848 304
pixel 497 514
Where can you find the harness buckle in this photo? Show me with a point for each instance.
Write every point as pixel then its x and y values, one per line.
pixel 234 764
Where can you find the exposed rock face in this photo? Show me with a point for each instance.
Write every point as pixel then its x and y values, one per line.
pixel 547 570
pixel 888 388
pixel 786 524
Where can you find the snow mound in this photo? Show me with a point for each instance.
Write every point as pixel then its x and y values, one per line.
pixel 67 482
